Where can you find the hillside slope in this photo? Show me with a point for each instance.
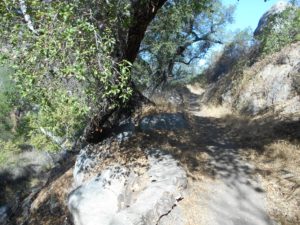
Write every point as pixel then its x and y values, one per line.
pixel 270 85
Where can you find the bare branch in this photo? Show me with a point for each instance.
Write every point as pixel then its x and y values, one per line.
pixel 27 17
pixel 191 60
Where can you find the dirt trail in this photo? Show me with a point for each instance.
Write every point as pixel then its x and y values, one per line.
pixel 216 149
pixel 234 196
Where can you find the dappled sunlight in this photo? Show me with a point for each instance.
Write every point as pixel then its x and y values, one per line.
pixel 213 111
pixel 221 157
pixel 149 112
pixel 196 89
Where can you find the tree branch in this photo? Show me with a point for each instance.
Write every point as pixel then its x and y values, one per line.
pixel 27 17
pixel 189 62
pixel 143 13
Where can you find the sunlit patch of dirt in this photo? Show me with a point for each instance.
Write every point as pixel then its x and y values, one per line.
pixel 193 205
pixel 213 111
pixel 160 107
pixel 195 88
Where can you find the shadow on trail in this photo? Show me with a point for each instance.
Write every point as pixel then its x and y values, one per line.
pixel 212 146
pixel 221 138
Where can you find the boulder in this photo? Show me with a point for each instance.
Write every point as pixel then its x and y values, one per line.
pixel 118 195
pixel 273 86
pixel 163 121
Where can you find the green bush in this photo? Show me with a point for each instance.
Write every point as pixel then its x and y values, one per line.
pixel 63 71
pixel 6 104
pixel 7 150
pixel 282 29
pixel 60 120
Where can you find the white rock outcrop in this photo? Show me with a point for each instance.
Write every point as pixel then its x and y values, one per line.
pixel 120 196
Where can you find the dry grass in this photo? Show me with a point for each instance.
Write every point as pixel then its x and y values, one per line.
pixel 238 79
pixel 272 145
pixel 60 188
pixel 49 206
pixel 190 147
pixel 269 143
pixel 213 111
pixel 160 105
pixel 194 205
pixel 278 168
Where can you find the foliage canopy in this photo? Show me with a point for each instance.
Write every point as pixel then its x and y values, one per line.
pixel 62 58
pixel 181 34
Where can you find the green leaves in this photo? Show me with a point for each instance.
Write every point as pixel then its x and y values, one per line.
pixel 7 149
pixel 190 28
pixel 281 30
pixel 68 68
pixel 6 104
pixel 118 87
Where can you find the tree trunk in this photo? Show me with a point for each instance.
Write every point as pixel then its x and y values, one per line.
pixel 101 125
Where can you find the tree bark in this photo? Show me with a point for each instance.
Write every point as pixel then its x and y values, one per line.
pixel 102 124
pixel 143 13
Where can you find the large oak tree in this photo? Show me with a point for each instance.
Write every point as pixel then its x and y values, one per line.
pixel 75 55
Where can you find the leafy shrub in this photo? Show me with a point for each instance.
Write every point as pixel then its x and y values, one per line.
pixel 64 68
pixel 6 104
pixel 58 122
pixel 7 149
pixel 282 29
